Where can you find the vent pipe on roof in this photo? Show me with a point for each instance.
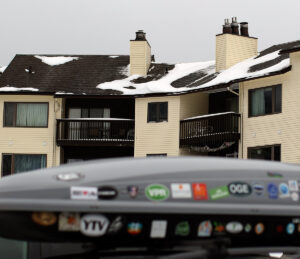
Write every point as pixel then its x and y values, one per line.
pixel 235 26
pixel 244 29
pixel 227 27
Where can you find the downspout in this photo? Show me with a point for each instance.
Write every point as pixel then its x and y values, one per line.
pixel 231 91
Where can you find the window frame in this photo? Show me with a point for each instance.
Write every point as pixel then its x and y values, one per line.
pixel 13 160
pixel 273 87
pixel 157 112
pixel 15 115
pixel 266 146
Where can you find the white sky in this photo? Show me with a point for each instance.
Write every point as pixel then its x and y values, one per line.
pixel 178 30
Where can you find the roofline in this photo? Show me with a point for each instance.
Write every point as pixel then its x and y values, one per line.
pixel 204 89
pixel 289 50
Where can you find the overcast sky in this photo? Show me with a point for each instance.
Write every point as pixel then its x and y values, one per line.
pixel 178 30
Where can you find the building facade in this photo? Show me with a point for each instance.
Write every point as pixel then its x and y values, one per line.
pixel 62 109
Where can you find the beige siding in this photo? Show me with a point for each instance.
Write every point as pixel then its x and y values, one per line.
pixel 156 138
pixel 31 140
pixel 232 49
pixel 140 57
pixel 283 128
pixel 193 105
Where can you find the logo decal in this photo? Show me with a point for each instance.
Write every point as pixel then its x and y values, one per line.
pixel 295 196
pixel 258 188
pixel 290 228
pixel 84 193
pixel 69 222
pixel 259 228
pixel 94 225
pixel 248 228
pixel 157 192
pixel 181 190
pixel 158 229
pixel 200 191
pixel 205 229
pixel 115 225
pixel 218 227
pixel 239 189
pixel 283 190
pixel 134 228
pixel 234 227
pixel 293 185
pixel 218 193
pixel 132 190
pixel 107 193
pixel 273 191
pixel 182 229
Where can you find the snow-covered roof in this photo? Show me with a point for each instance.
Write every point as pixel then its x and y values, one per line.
pixel 109 75
pixel 2 69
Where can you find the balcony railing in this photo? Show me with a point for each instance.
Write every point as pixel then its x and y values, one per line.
pixel 98 132
pixel 211 129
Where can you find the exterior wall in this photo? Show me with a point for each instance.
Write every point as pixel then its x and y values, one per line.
pixel 31 140
pixel 140 57
pixel 193 105
pixel 232 49
pixel 282 128
pixel 157 138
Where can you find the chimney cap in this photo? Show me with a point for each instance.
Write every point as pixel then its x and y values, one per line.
pixel 140 35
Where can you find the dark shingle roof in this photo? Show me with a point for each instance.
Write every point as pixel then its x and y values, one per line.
pixel 83 75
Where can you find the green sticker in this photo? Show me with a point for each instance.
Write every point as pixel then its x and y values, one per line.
pixel 182 229
pixel 218 193
pixel 157 192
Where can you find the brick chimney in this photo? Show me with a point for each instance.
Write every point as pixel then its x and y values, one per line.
pixel 234 45
pixel 140 54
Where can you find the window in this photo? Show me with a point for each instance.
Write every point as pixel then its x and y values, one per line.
pixel 265 153
pixel 25 114
pixel 265 100
pixel 158 112
pixel 18 163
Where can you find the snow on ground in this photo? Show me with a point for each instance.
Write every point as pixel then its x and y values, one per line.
pixel 55 61
pixel 163 85
pixel 113 56
pixel 2 69
pixel 15 89
pixel 63 93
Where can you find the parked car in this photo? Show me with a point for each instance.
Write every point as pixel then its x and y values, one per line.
pixel 155 208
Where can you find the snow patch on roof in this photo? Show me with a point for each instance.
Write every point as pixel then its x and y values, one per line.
pixel 62 92
pixel 162 85
pixel 241 70
pixel 113 56
pixel 15 89
pixel 55 61
pixel 2 69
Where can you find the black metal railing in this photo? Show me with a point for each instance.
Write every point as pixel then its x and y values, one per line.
pixel 210 129
pixel 108 131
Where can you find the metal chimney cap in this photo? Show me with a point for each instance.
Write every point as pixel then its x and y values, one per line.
pixel 140 35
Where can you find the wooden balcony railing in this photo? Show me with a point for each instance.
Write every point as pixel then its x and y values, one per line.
pixel 96 132
pixel 211 129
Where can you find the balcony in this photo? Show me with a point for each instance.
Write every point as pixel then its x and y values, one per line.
pixel 211 129
pixel 95 132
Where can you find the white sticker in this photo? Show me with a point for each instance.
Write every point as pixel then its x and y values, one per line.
pixel 181 190
pixel 293 185
pixel 295 196
pixel 84 193
pixel 69 222
pixel 158 229
pixel 94 225
pixel 234 227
